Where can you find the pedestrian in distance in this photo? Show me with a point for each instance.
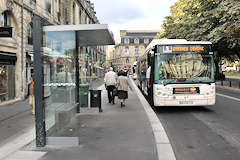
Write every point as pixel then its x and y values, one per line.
pixel 148 73
pixel 110 81
pixel 149 86
pixel 123 85
pixel 31 95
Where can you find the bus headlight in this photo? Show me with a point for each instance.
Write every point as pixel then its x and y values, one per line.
pixel 211 91
pixel 159 93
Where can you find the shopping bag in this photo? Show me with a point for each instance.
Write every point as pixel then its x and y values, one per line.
pixel 115 92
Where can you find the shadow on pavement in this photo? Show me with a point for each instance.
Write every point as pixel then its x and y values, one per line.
pixel 182 109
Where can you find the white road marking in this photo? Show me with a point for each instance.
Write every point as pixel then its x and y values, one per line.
pixel 233 98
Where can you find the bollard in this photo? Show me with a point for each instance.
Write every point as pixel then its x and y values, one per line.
pixel 230 83
pixel 221 82
pixel 239 84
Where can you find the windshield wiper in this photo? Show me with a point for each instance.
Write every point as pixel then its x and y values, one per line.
pixel 169 82
pixel 200 81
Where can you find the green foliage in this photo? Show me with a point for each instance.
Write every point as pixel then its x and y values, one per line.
pixel 217 21
pixel 238 64
pixel 232 73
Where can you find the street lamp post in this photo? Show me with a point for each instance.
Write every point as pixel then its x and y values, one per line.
pixel 38 81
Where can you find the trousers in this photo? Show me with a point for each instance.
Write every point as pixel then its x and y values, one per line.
pixel 111 97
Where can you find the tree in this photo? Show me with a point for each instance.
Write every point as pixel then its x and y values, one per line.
pixel 217 21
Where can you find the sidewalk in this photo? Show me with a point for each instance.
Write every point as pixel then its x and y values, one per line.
pixel 231 82
pixel 132 133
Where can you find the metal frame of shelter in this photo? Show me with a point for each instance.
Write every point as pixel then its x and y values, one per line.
pixel 85 35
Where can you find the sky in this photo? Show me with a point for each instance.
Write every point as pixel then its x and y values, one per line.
pixel 132 14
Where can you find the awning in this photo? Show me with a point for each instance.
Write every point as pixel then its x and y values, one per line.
pixel 7 58
pixel 87 34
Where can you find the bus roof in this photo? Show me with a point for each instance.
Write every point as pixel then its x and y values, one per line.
pixel 173 41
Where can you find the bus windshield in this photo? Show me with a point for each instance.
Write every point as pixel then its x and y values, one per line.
pixel 183 67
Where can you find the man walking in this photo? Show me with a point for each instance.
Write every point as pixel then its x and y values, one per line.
pixel 110 81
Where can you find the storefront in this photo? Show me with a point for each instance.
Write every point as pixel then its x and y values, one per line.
pixel 60 70
pixel 7 76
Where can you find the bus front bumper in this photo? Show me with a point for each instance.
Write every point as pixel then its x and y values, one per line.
pixel 184 101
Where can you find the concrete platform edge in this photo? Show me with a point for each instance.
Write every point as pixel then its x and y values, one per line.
pixel 10 102
pixel 229 88
pixel 16 144
pixel 161 138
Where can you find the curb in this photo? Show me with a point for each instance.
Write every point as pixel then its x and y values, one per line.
pixel 164 148
pixel 10 102
pixel 17 143
pixel 228 88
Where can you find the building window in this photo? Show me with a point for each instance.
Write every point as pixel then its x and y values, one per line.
pixel 29 33
pixel 58 9
pixel 146 41
pixel 48 6
pixel 136 41
pixel 186 68
pixel 126 41
pixel 73 14
pixel 80 16
pixel 122 40
pixel 136 51
pixel 58 5
pixel 127 51
pixel 5 19
pixel 66 16
pixel 194 66
pixel 141 40
pixel 131 41
pixel 127 60
pixel 33 1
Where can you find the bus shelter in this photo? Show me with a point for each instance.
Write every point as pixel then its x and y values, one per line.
pixel 56 73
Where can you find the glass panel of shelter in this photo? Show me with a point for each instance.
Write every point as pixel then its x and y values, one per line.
pixel 59 79
pixel 59 71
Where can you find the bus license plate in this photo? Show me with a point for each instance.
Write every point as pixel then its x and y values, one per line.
pixel 185 102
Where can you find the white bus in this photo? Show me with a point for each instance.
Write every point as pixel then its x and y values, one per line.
pixel 182 73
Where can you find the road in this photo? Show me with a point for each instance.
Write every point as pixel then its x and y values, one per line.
pixel 205 133
pixel 15 120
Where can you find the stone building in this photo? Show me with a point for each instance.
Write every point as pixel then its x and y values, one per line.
pixel 133 44
pixel 16 52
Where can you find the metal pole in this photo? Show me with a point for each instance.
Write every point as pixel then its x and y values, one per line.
pixel 77 72
pixel 22 52
pixel 99 101
pixel 38 83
